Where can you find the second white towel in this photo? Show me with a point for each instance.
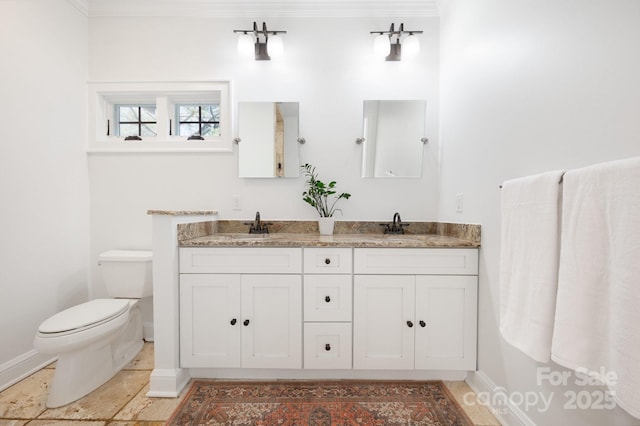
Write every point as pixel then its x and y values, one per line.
pixel 529 262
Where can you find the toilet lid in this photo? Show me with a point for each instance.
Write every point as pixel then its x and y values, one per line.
pixel 84 315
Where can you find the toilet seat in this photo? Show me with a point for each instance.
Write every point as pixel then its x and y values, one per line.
pixel 84 316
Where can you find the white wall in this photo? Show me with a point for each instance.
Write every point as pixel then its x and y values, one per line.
pixel 327 67
pixel 529 87
pixel 43 171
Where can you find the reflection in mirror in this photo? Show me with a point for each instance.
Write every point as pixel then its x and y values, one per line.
pixel 268 133
pixel 393 133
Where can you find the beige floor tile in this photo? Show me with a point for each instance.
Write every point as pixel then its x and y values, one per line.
pixel 137 423
pixel 5 422
pixel 144 360
pixel 464 395
pixel 142 408
pixel 26 399
pixel 104 402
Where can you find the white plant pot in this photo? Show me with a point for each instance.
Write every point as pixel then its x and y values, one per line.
pixel 325 224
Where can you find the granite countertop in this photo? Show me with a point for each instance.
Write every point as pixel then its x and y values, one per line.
pixel 347 234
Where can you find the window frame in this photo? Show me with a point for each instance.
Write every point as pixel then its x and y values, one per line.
pixel 103 97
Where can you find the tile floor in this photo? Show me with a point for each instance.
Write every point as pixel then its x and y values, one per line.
pixel 122 401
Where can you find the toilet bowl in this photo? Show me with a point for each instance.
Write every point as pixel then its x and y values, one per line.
pixel 96 339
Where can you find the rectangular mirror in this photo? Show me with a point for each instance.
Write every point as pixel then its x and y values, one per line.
pixel 393 133
pixel 268 133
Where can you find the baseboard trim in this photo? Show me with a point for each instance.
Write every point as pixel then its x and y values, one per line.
pixel 167 383
pixel 302 374
pixel 21 367
pixel 497 400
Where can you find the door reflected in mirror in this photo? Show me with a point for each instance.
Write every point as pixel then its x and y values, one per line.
pixel 393 133
pixel 268 133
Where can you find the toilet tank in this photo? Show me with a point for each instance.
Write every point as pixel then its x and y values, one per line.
pixel 126 273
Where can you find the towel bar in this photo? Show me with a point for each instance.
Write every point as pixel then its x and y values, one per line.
pixel 559 182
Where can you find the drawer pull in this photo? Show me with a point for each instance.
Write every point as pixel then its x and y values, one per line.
pixel 410 324
pixel 234 321
pixel 423 324
pixel 246 322
pixel 327 347
pixel 327 261
pixel 327 299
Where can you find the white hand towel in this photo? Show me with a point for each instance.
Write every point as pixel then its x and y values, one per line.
pixel 597 325
pixel 529 262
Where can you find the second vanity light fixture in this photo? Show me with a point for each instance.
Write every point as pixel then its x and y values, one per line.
pixel 387 43
pixel 262 43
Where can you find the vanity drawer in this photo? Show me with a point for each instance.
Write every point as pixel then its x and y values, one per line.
pixel 327 260
pixel 224 260
pixel 327 297
pixel 447 261
pixel 327 345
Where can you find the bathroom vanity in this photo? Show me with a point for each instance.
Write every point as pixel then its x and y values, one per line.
pixel 294 304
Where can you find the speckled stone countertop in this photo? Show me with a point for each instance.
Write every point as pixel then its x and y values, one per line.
pixel 346 234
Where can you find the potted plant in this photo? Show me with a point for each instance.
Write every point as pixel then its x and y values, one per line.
pixel 323 197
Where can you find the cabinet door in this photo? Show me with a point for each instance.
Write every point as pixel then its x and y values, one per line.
pixel 209 320
pixel 446 322
pixel 271 321
pixel 383 329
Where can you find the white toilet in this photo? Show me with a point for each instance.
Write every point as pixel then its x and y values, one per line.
pixel 96 339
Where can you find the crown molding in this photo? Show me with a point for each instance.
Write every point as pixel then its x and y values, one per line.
pixel 262 8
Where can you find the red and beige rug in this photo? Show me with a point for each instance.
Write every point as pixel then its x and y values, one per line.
pixel 320 403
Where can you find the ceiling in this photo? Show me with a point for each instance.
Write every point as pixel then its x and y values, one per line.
pixel 259 8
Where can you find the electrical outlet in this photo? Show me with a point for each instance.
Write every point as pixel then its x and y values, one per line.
pixel 236 203
pixel 459 203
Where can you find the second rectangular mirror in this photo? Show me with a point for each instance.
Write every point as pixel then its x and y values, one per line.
pixel 393 134
pixel 268 133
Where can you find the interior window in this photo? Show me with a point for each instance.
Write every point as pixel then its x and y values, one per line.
pixel 135 120
pixel 198 120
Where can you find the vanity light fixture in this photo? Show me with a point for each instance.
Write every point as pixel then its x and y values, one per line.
pixel 387 43
pixel 263 43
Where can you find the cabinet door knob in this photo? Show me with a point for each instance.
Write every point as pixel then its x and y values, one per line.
pixel 410 324
pixel 246 322
pixel 327 299
pixel 327 261
pixel 234 321
pixel 327 347
pixel 423 324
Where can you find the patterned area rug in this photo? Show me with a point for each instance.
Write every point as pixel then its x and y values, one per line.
pixel 304 403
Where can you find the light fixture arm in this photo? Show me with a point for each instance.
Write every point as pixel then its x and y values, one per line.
pixel 399 32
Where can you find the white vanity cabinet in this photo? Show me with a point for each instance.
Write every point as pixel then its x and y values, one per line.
pixel 328 308
pixel 241 307
pixel 415 309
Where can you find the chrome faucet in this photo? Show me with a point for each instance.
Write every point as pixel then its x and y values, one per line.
pixel 396 226
pixel 257 227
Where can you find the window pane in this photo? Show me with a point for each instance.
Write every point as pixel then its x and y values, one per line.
pixel 188 113
pixel 127 113
pixel 149 130
pixel 210 113
pixel 210 129
pixel 148 113
pixel 128 130
pixel 188 129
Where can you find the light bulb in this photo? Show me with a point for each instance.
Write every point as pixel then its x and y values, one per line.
pixel 411 46
pixel 245 45
pixel 275 47
pixel 381 45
